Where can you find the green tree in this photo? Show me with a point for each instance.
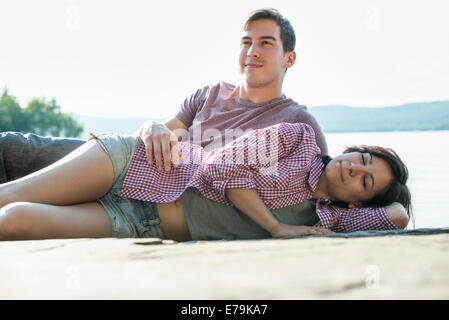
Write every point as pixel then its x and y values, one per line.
pixel 40 117
pixel 11 114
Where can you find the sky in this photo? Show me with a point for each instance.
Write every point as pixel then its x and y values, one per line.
pixel 143 58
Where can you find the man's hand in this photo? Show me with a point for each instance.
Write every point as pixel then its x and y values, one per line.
pixel 288 231
pixel 161 141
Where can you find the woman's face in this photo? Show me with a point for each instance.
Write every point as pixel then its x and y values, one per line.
pixel 356 177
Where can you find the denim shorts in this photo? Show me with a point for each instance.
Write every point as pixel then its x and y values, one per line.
pixel 129 218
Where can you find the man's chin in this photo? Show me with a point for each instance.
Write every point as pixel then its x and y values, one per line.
pixel 255 83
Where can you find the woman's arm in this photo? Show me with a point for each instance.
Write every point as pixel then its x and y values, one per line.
pixel 398 214
pixel 359 219
pixel 249 202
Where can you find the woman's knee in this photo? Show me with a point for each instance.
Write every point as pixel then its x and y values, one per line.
pixel 14 220
pixel 7 195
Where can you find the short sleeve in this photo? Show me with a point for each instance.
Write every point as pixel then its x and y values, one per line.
pixel 225 176
pixel 191 106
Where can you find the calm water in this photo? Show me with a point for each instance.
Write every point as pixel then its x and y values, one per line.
pixel 426 155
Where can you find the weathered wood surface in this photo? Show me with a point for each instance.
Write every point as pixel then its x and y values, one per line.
pixel 362 265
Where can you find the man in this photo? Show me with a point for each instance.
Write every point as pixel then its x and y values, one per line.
pixel 212 116
pixel 218 114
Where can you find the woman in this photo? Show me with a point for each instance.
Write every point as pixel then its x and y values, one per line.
pixel 93 193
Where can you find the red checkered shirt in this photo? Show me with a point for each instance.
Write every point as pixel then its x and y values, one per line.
pixel 281 162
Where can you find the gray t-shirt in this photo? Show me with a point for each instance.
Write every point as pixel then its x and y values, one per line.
pixel 210 220
pixel 215 116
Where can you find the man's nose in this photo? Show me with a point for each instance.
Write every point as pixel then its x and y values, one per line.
pixel 253 51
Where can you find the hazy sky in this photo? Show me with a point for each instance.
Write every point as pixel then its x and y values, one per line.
pixel 143 58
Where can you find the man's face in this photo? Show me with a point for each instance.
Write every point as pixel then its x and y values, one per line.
pixel 262 60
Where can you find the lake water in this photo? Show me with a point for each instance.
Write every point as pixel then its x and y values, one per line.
pixel 426 155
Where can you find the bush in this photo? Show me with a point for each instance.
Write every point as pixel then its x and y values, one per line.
pixel 40 117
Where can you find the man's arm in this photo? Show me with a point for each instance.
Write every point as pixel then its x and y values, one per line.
pixel 162 140
pixel 249 202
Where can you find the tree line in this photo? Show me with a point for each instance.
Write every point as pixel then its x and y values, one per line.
pixel 39 116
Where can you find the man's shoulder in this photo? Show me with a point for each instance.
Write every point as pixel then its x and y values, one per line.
pixel 225 85
pixel 295 108
pixel 224 89
pixel 298 113
pixel 215 89
pixel 222 85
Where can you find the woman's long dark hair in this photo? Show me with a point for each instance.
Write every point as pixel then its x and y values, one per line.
pixel 397 191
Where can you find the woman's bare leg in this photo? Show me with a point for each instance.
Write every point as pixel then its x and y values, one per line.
pixel 84 175
pixel 35 221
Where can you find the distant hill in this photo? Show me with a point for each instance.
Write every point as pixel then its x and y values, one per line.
pixel 332 118
pixel 407 117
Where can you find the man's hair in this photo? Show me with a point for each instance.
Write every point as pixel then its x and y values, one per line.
pixel 287 33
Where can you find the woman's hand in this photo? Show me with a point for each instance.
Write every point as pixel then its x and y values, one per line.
pixel 288 231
